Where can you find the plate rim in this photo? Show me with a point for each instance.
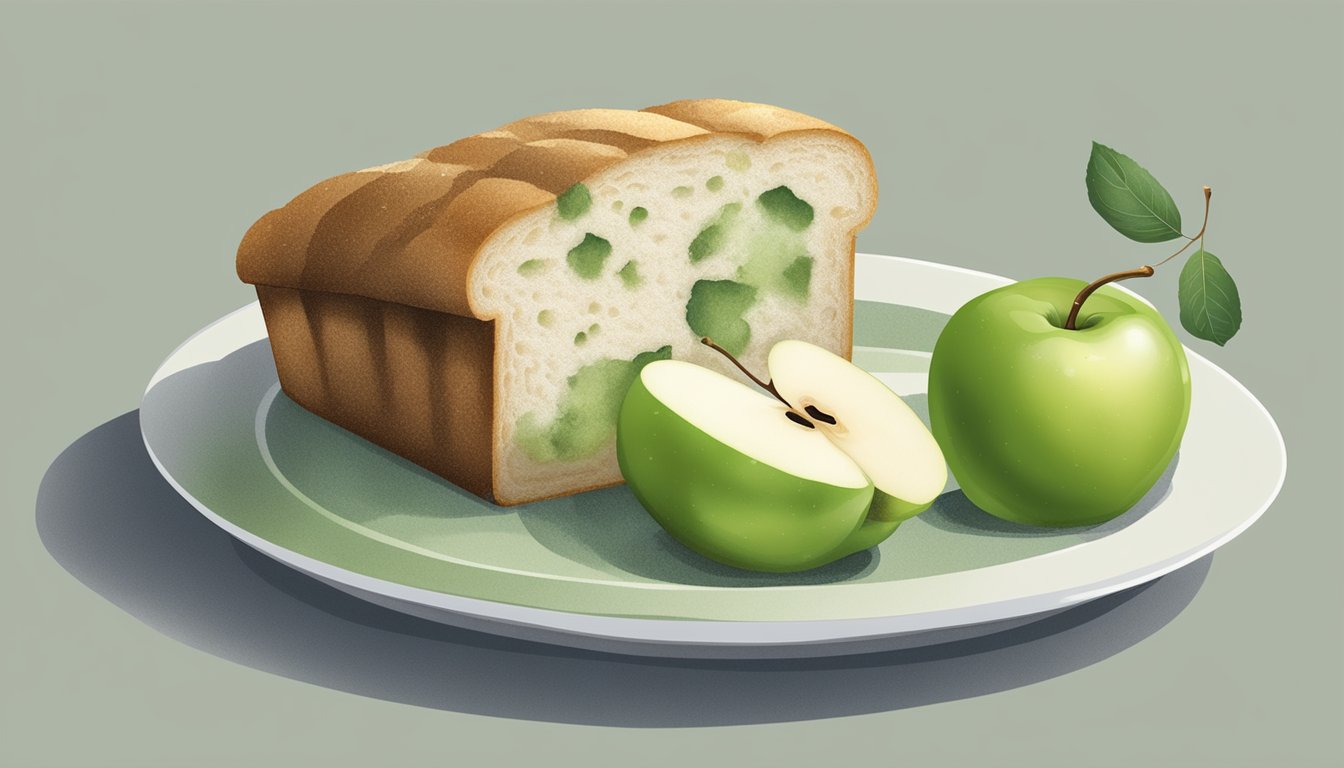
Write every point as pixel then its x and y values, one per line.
pixel 728 632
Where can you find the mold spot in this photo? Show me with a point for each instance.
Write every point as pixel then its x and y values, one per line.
pixel 714 236
pixel 574 202
pixel 798 277
pixel 587 258
pixel 629 275
pixel 588 410
pixel 781 205
pixel 715 309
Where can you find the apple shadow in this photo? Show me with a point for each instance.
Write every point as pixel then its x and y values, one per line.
pixel 109 519
pixel 599 526
pixel 953 512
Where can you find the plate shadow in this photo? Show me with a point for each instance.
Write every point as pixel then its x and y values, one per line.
pixel 108 518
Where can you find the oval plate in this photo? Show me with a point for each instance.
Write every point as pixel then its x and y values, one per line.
pixel 594 571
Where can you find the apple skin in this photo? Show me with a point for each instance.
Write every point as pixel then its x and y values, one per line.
pixel 1051 427
pixel 731 508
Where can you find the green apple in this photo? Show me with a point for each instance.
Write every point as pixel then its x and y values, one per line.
pixel 1054 427
pixel 748 480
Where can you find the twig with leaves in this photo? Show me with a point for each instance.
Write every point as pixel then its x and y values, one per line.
pixel 1131 201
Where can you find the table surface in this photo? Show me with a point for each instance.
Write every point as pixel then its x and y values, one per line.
pixel 140 141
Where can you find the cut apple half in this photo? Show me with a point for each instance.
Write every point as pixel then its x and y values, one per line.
pixel 754 482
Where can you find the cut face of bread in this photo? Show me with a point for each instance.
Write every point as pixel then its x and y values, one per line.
pixel 742 241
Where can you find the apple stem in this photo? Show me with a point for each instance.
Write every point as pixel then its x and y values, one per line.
pixel 1144 271
pixel 768 386
pixel 1071 323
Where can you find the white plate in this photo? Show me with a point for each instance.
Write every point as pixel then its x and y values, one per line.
pixel 593 571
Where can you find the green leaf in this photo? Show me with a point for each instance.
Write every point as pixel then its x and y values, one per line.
pixel 1210 304
pixel 1129 198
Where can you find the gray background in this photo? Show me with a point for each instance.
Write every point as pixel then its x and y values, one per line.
pixel 138 142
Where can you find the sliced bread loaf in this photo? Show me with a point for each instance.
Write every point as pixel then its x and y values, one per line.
pixel 482 309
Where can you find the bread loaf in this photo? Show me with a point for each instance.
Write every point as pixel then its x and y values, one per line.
pixel 481 309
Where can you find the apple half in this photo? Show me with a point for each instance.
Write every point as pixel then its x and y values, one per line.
pixel 746 480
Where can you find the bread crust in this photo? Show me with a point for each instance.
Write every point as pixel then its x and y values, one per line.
pixel 409 232
pixel 417 382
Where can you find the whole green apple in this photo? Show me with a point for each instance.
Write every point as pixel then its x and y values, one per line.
pixel 828 467
pixel 1054 427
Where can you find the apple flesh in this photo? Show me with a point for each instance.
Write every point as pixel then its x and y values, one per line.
pixel 1054 427
pixel 734 475
pixel 867 421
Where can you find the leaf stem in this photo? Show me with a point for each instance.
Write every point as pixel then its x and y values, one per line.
pixel 1208 193
pixel 1144 271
